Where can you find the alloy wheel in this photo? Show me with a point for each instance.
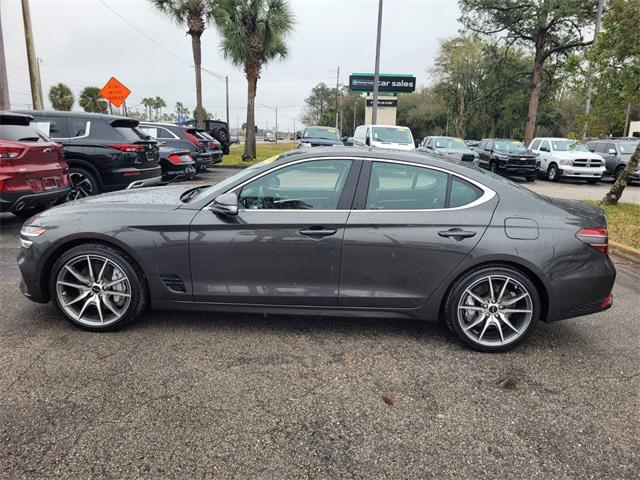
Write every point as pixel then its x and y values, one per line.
pixel 81 186
pixel 495 311
pixel 93 290
pixel 553 173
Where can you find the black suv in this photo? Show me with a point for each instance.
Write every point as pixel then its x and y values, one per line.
pixel 203 150
pixel 217 129
pixel 508 157
pixel 104 152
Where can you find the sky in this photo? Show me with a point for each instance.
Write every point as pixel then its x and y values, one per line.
pixel 85 42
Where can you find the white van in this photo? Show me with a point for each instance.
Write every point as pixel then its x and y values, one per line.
pixel 383 136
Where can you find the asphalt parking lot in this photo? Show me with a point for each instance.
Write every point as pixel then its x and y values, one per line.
pixel 201 395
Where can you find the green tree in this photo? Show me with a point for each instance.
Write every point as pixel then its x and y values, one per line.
pixel 181 110
pixel 194 15
pixel 158 105
pixel 91 101
pixel 549 27
pixel 61 97
pixel 317 103
pixel 253 34
pixel 148 103
pixel 424 112
pixel 616 61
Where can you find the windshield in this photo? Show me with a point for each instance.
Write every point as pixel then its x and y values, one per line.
pixel 568 146
pixel 450 143
pixel 509 146
pixel 392 135
pixel 627 148
pixel 245 173
pixel 321 133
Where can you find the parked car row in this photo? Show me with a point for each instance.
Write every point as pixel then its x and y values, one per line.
pixel 51 157
pixel 553 158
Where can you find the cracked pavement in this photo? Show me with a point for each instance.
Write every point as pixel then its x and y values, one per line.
pixel 201 395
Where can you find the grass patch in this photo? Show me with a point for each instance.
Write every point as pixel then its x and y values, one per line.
pixel 623 222
pixel 263 151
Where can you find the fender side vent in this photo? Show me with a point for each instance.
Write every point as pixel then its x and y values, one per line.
pixel 173 282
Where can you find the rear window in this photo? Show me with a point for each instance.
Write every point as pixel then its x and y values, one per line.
pixel 22 133
pixel 132 134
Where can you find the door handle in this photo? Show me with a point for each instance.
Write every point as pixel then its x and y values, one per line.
pixel 456 233
pixel 318 232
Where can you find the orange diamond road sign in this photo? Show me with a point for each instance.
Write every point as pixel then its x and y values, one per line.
pixel 115 92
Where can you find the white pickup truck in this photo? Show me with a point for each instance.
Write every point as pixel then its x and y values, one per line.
pixel 565 158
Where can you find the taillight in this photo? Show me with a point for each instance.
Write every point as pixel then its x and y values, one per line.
pixel 214 145
pixel 11 152
pixel 193 139
pixel 597 238
pixel 175 159
pixel 124 147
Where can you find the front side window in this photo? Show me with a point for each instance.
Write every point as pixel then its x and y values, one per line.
pixel 535 145
pixel 52 127
pixel 313 185
pixel 405 187
pixel 545 145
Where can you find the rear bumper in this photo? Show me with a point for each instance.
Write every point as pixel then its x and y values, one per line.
pixel 11 202
pixel 138 177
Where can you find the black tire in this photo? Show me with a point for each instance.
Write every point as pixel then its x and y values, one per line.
pixel 221 134
pixel 83 183
pixel 493 167
pixel 531 179
pixel 618 172
pixel 553 173
pixel 458 289
pixel 593 181
pixel 138 299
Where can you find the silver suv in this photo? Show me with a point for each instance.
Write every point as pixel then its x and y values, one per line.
pixel 616 153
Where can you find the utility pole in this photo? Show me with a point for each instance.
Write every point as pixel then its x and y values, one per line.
pixel 337 87
pixel 355 111
pixel 39 62
pixel 226 79
pixel 276 125
pixel 587 104
pixel 294 127
pixel 31 57
pixel 5 104
pixel 376 74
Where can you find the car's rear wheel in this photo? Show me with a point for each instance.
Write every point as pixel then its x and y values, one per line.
pixel 493 309
pixel 493 167
pixel 97 288
pixel 83 183
pixel 553 174
pixel 619 171
pixel 593 181
pixel 531 178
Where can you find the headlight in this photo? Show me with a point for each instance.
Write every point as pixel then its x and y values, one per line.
pixel 304 145
pixel 502 157
pixel 565 161
pixel 31 231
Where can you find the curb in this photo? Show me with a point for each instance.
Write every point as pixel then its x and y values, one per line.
pixel 625 251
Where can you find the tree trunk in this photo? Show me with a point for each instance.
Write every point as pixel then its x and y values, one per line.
pixel 197 62
pixel 460 120
pixel 618 187
pixel 250 137
pixel 536 83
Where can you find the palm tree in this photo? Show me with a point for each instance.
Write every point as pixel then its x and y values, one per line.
pixel 253 34
pixel 91 100
pixel 148 103
pixel 159 104
pixel 181 110
pixel 192 14
pixel 61 97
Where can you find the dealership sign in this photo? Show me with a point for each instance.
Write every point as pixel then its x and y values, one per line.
pixel 383 102
pixel 387 83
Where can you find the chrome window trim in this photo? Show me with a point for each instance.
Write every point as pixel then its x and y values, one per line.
pixel 487 194
pixel 86 133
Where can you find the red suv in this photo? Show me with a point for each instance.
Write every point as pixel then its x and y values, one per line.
pixel 33 173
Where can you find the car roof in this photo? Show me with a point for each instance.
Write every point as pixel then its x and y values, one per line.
pixel 59 113
pixel 162 124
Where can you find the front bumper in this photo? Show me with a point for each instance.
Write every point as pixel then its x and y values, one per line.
pixel 511 169
pixel 580 172
pixel 18 201
pixel 30 265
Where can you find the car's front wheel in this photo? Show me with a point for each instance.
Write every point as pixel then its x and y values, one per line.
pixel 97 287
pixel 493 309
pixel 553 174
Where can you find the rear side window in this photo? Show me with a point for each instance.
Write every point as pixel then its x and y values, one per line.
pixel 463 193
pixel 405 187
pixel 78 127
pixel 22 133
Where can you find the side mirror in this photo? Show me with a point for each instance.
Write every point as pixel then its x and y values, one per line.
pixel 544 149
pixel 592 150
pixel 298 135
pixel 226 204
pixel 368 141
pixel 612 151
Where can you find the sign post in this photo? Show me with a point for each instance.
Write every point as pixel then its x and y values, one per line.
pixel 115 92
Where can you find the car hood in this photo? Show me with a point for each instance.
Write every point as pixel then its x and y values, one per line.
pixel 576 155
pixel 456 153
pixel 321 142
pixel 138 199
pixel 393 146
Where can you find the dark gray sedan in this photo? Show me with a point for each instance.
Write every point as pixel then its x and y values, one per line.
pixel 328 231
